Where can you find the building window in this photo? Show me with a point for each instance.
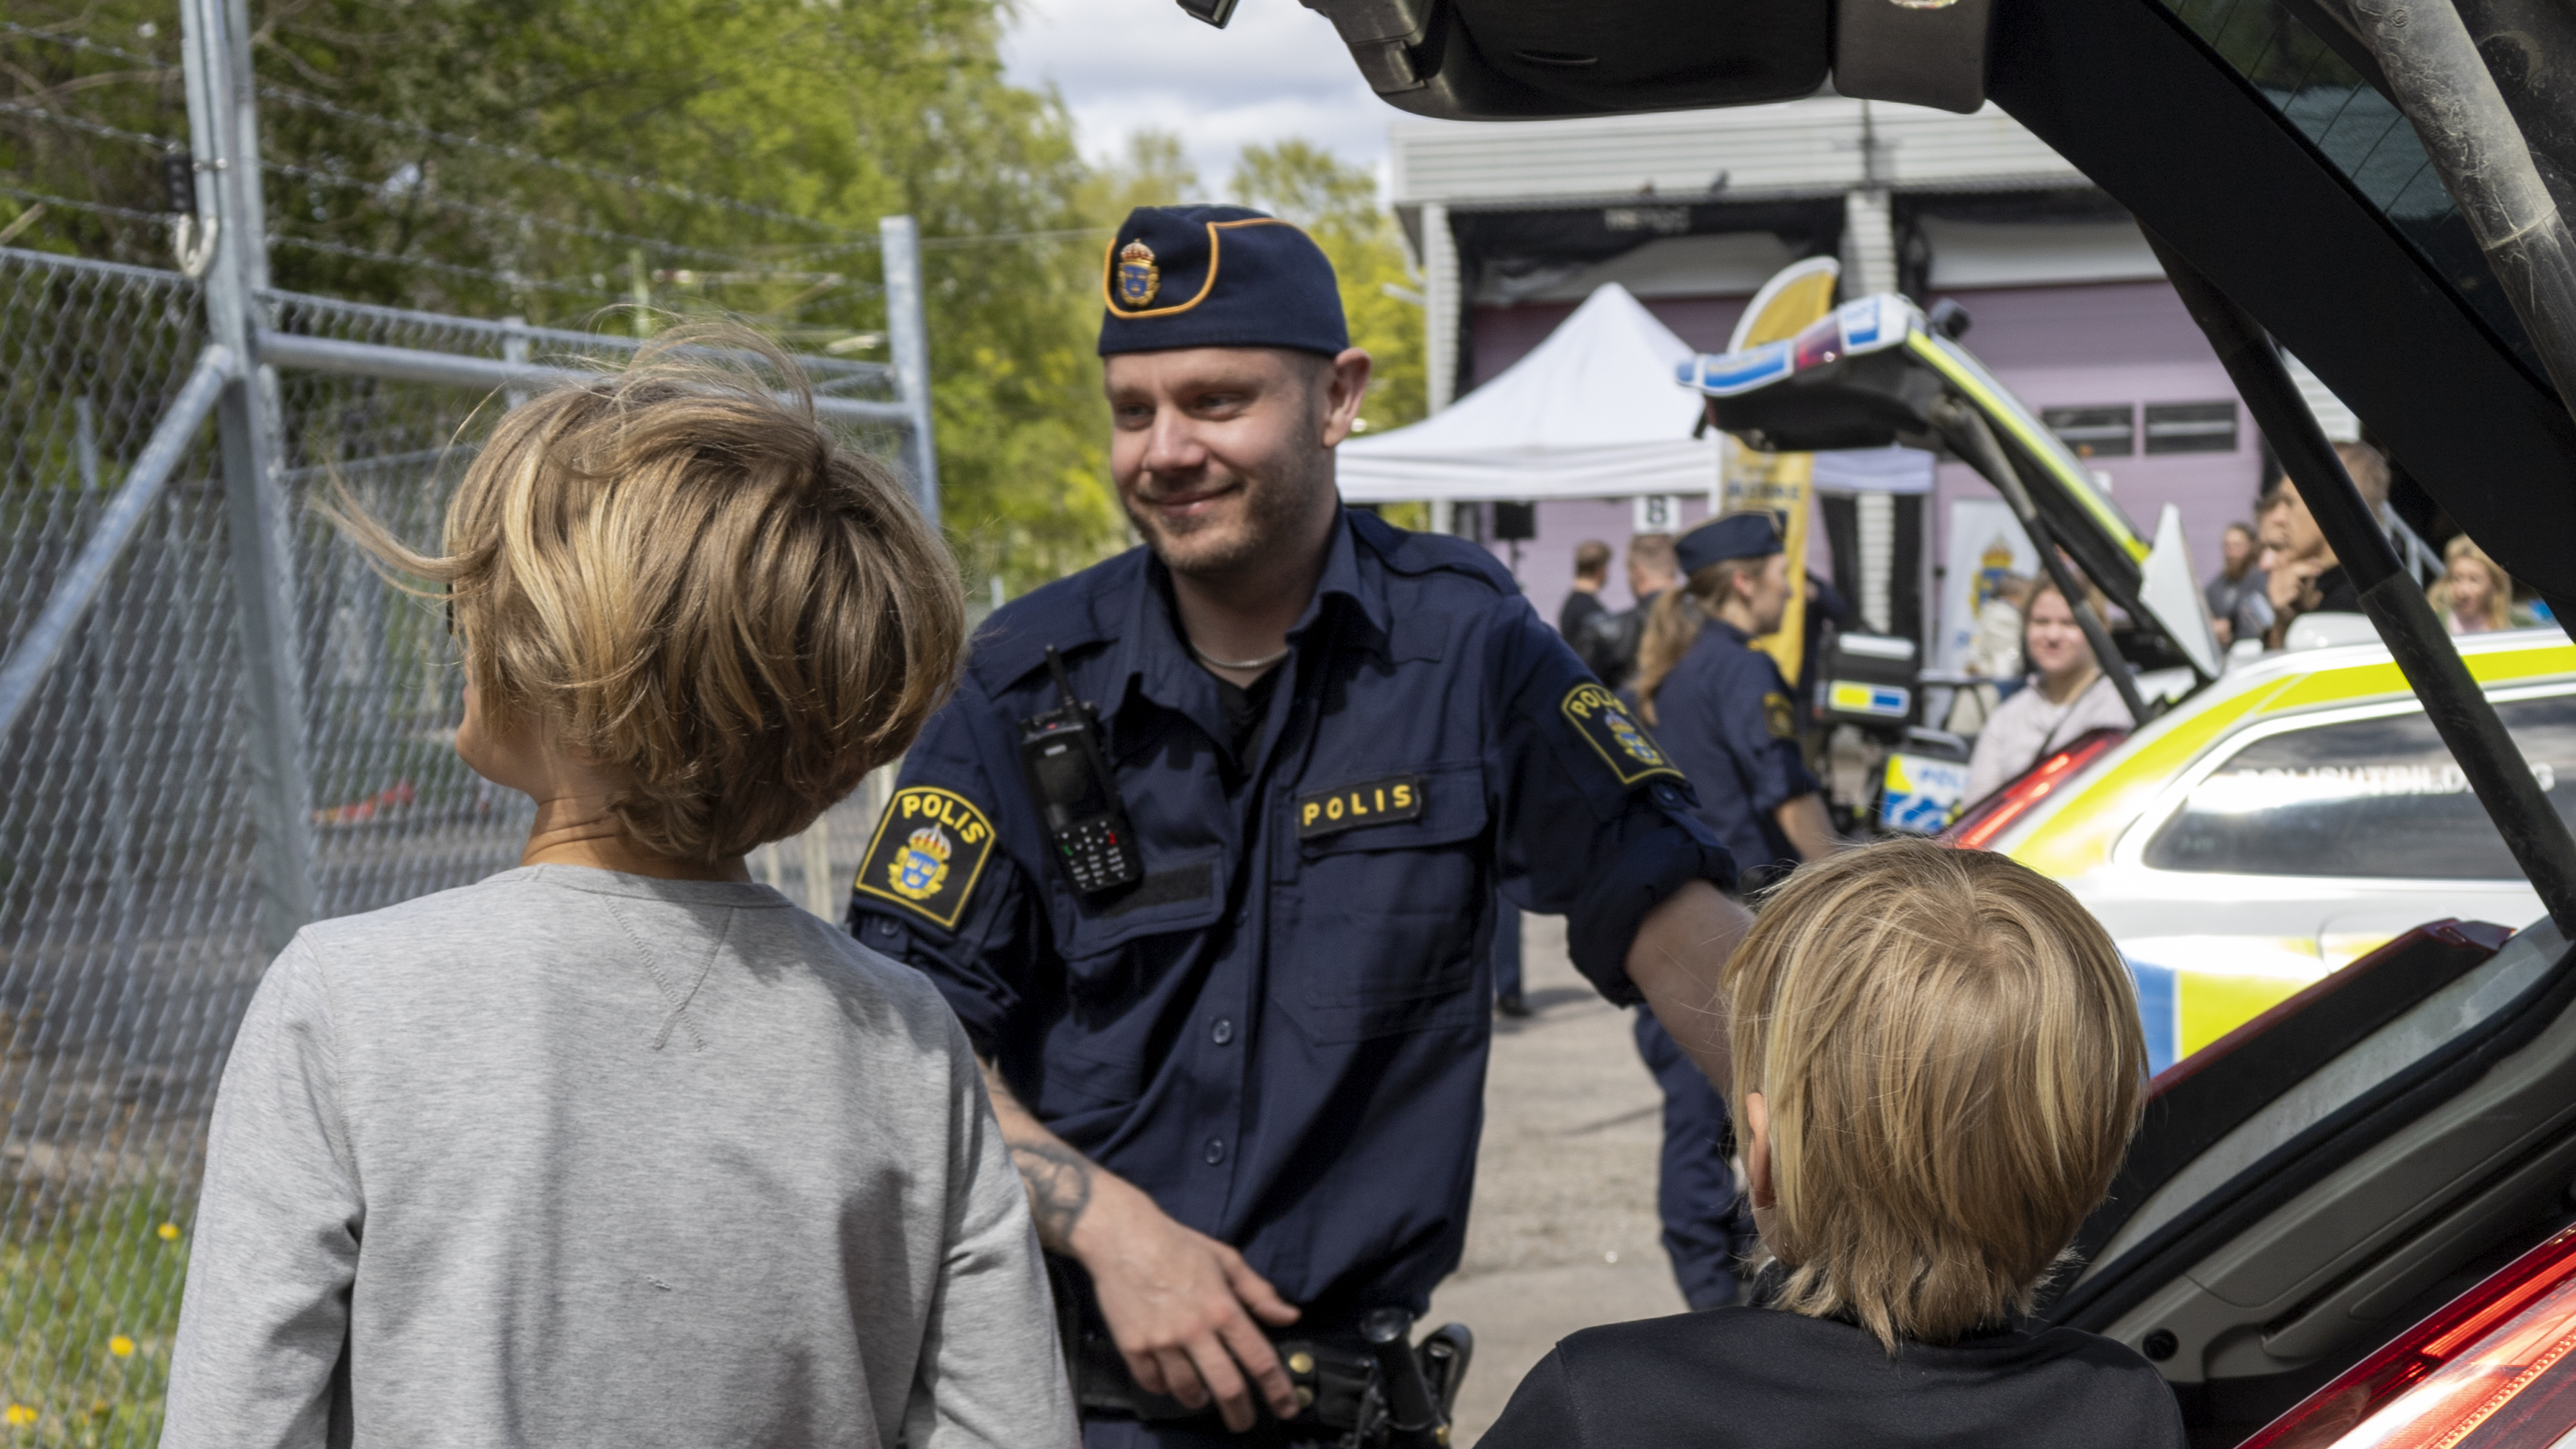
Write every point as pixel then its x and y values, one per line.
pixel 2107 432
pixel 2191 427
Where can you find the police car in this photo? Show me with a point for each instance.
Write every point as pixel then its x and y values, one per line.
pixel 2290 818
pixel 2343 1221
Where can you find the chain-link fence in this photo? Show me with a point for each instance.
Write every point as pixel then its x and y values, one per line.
pixel 131 887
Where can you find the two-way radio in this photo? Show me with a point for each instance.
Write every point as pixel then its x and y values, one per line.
pixel 1068 772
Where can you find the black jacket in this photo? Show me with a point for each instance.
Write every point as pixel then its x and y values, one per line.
pixel 1767 1378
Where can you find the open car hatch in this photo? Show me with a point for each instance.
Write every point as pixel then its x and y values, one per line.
pixel 1876 372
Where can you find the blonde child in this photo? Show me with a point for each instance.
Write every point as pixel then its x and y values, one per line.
pixel 1936 1059
pixel 617 1147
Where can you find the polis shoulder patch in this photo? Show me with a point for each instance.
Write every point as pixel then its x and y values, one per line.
pixel 1778 717
pixel 1603 721
pixel 929 851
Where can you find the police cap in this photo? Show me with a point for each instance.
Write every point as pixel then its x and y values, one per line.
pixel 1729 535
pixel 1217 276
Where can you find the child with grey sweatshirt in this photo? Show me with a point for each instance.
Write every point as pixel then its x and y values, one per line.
pixel 617 1147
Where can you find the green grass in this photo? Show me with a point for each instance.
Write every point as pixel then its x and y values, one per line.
pixel 101 1276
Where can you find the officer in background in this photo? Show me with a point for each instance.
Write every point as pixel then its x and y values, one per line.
pixel 1612 641
pixel 1245 1088
pixel 1725 715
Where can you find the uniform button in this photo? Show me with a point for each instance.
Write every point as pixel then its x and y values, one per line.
pixel 1215 1151
pixel 1223 1031
pixel 887 928
pixel 1242 914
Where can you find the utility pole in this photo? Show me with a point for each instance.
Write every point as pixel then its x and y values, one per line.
pixel 908 339
pixel 223 129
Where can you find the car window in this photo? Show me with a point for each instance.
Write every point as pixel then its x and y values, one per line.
pixel 2366 797
pixel 2362 136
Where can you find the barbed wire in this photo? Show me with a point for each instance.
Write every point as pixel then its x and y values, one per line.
pixel 509 279
pixel 502 213
pixel 301 101
pixel 847 241
pixel 163 144
pixel 83 42
pixel 47 198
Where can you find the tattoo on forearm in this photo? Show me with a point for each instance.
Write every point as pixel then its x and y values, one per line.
pixel 1059 1181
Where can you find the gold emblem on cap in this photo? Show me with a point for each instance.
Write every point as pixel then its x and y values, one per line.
pixel 1138 278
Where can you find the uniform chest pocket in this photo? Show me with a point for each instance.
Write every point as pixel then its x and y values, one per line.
pixel 1385 912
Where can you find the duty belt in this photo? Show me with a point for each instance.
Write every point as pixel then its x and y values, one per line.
pixel 1370 1387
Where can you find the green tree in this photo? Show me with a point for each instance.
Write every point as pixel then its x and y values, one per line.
pixel 736 153
pixel 1336 203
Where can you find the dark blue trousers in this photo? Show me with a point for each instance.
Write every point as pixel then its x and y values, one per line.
pixel 1707 1224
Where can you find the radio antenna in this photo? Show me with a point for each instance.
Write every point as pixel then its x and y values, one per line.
pixel 1063 681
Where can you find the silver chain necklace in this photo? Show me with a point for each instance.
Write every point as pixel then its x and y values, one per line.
pixel 1264 662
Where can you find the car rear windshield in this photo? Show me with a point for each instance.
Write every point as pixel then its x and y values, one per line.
pixel 2363 136
pixel 2377 797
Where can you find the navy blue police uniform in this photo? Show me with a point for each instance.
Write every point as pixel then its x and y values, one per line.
pixel 1726 716
pixel 1280 1032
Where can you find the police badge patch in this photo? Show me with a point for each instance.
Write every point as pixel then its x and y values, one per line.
pixel 1779 717
pixel 1138 278
pixel 1625 747
pixel 929 850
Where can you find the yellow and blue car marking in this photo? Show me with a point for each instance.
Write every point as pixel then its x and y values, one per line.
pixel 2194 989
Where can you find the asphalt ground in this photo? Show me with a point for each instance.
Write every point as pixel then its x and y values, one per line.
pixel 1563 1232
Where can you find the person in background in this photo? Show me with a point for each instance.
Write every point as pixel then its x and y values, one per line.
pixel 1994 656
pixel 619 1147
pixel 1937 1060
pixel 1728 720
pixel 2236 592
pixel 2068 694
pixel 2474 595
pixel 1616 637
pixel 1583 604
pixel 2303 574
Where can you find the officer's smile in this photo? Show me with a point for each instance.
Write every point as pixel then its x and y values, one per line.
pixel 1183 504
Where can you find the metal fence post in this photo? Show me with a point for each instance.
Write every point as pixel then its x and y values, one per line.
pixel 259 521
pixel 908 338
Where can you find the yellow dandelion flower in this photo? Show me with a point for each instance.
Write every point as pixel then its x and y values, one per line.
pixel 121 1346
pixel 169 1232
pixel 18 1414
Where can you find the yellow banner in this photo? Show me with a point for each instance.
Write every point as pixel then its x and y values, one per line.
pixel 1783 483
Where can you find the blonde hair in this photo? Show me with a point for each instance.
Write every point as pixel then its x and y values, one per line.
pixel 2463 549
pixel 681 578
pixel 1673 624
pixel 1949 1051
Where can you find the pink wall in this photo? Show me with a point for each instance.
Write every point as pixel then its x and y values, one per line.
pixel 2091 345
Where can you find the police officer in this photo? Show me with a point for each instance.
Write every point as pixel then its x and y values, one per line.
pixel 1245 1089
pixel 1725 715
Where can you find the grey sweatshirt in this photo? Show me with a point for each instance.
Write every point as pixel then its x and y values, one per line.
pixel 570 1157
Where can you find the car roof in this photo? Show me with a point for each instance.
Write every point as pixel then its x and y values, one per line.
pixel 2226 130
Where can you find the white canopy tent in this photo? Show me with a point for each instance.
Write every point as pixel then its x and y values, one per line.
pixel 1594 411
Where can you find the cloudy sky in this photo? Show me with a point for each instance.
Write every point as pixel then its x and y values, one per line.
pixel 1124 65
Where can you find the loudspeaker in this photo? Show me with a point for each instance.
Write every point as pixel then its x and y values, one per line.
pixel 1515 522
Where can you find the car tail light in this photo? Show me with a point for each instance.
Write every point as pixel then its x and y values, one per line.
pixel 1989 817
pixel 1821 343
pixel 2492 1368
